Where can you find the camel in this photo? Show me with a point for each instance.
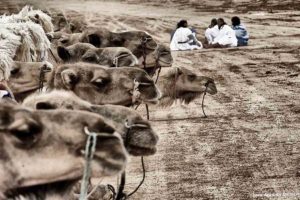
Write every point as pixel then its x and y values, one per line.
pixel 34 143
pixel 109 56
pixel 29 14
pixel 138 42
pixel 179 83
pixel 25 77
pixel 101 85
pixel 23 41
pixel 160 57
pixel 142 139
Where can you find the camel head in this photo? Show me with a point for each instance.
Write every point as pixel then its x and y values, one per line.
pixel 67 39
pixel 25 77
pixel 133 40
pixel 160 57
pixel 138 136
pixel 42 151
pixel 109 56
pixel 101 85
pixel 183 84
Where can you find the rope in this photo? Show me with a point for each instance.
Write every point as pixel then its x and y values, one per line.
pixel 116 59
pixel 202 104
pixel 159 69
pixel 143 179
pixel 89 154
pixel 42 78
pixel 94 189
pixel 113 191
pixel 53 56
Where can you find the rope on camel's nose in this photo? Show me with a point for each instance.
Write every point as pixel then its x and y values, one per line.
pixel 89 154
pixel 42 78
pixel 121 195
pixel 202 105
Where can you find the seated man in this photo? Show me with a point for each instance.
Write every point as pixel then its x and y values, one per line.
pixel 184 38
pixel 212 31
pixel 225 38
pixel 240 31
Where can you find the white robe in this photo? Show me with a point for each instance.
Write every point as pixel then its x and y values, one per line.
pixel 226 37
pixel 181 35
pixel 212 33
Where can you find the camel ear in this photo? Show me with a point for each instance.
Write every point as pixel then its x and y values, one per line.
pixel 95 40
pixel 63 53
pixel 69 78
pixel 44 106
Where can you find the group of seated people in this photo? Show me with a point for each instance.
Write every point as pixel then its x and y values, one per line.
pixel 217 35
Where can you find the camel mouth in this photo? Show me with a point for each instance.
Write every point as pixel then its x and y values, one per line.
pixel 151 101
pixel 129 59
pixel 166 63
pixel 40 192
pixel 136 150
pixel 212 89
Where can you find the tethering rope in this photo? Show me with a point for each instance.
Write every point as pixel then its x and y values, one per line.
pixel 89 154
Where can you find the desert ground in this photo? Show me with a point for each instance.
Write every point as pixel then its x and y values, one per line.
pixel 249 146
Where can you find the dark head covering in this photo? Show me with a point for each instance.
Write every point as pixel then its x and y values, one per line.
pixel 182 23
pixel 235 21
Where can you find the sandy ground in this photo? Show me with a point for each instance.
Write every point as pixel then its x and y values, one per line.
pixel 249 146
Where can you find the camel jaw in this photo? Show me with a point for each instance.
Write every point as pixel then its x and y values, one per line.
pixel 59 190
pixel 141 151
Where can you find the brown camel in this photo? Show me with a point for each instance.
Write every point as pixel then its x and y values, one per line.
pixel 101 85
pixel 138 42
pixel 161 57
pixel 109 56
pixel 142 139
pixel 34 143
pixel 182 84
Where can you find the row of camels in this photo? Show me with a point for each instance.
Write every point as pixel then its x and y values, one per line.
pixel 63 79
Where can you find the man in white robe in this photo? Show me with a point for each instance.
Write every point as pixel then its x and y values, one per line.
pixel 184 39
pixel 212 31
pixel 226 36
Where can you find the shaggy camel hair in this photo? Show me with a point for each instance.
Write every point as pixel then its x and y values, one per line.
pixel 184 85
pixel 109 56
pixel 101 85
pixel 29 14
pixel 33 140
pixel 25 41
pixel 142 139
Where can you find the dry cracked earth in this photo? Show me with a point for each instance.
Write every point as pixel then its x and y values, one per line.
pixel 249 146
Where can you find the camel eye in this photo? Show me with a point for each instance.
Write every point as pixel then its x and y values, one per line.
pixel 26 134
pixel 14 71
pixel 100 82
pixel 64 41
pixel 91 59
pixel 191 77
